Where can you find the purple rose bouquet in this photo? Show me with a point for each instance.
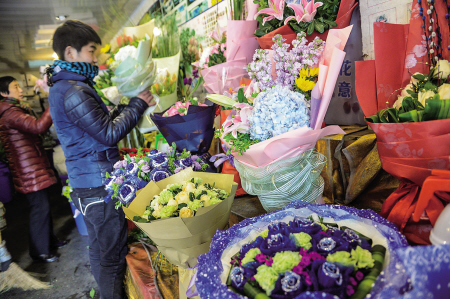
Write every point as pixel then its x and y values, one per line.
pixel 295 253
pixel 134 172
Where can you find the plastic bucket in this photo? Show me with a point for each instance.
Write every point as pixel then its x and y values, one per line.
pixel 79 220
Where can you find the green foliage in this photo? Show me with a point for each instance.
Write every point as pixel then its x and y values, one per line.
pixel 168 42
pixel 92 293
pixel 189 47
pixel 239 144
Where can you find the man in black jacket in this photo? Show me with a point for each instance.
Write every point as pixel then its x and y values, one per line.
pixel 89 135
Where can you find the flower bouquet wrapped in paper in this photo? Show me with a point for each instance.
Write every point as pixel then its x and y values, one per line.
pixel 276 122
pixel 304 251
pixel 312 17
pixel 182 239
pixel 409 115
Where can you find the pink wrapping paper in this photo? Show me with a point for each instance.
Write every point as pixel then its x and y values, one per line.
pixel 241 44
pixel 252 9
pixel 222 77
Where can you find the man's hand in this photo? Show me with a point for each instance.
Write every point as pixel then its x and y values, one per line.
pixel 147 97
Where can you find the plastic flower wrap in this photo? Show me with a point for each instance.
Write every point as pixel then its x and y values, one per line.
pixel 136 70
pixel 341 254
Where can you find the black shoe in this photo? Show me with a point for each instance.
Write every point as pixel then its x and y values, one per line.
pixel 45 258
pixel 60 244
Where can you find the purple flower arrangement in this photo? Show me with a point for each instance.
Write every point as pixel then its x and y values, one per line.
pixel 134 172
pixel 288 259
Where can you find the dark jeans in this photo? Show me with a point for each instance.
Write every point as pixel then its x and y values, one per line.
pixel 41 225
pixel 107 229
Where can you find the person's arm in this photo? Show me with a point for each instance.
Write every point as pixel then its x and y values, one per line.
pixel 17 119
pixel 85 111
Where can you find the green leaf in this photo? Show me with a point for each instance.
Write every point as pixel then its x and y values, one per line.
pixel 191 196
pixel 259 32
pixel 310 28
pixel 182 205
pixel 92 293
pixel 241 96
pixel 319 26
pixel 221 100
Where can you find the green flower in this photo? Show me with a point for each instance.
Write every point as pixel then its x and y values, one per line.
pixel 264 234
pixel 223 193
pixel 213 201
pixel 165 196
pixel 250 256
pixel 167 211
pixel 197 192
pixel 211 194
pixel 341 257
pixel 195 205
pixel 173 187
pixel 362 257
pixel 266 277
pixel 285 261
pixel 147 212
pixel 302 240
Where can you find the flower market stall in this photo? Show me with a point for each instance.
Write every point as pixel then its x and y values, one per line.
pixel 235 186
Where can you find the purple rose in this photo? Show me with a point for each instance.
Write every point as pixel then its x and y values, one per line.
pixel 329 277
pixel 237 278
pixel 120 164
pixel 186 162
pixel 132 168
pixel 118 172
pixel 325 244
pixel 304 225
pixel 352 238
pixel 153 153
pixel 255 244
pixel 278 227
pixel 126 194
pixel 157 175
pixel 136 182
pixel 160 161
pixel 142 161
pixel 119 180
pixel 289 285
pixel 108 183
pixel 276 243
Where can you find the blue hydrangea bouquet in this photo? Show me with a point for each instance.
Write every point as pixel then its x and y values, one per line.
pixel 277 120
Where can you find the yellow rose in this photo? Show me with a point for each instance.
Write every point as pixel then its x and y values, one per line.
pixel 182 197
pixel 189 186
pixel 405 90
pixel 425 95
pixel 398 103
pixel 172 202
pixel 444 91
pixel 186 212
pixel 206 200
pixel 443 67
pixel 414 81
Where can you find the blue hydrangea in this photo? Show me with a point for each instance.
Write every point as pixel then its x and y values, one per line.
pixel 276 111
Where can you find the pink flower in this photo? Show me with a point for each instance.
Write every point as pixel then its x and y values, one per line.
pixel 214 35
pixel 304 12
pixel 359 275
pixel 275 10
pixel 350 290
pixel 222 47
pixel 269 262
pixel 260 258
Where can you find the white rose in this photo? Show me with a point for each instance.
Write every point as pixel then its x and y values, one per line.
pixel 182 197
pixel 444 91
pixel 414 81
pixel 189 186
pixel 206 200
pixel 172 202
pixel 423 96
pixel 443 67
pixel 186 212
pixel 155 205
pixel 398 104
pixel 201 187
pixel 405 90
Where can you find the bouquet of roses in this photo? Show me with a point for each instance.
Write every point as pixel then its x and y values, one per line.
pixel 312 17
pixel 305 251
pixel 182 200
pixel 136 170
pixel 303 255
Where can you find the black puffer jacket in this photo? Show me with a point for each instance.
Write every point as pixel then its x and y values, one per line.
pixel 87 131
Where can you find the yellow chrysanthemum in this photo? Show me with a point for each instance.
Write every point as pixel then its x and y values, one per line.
pixel 304 84
pixel 307 72
pixel 109 61
pixel 106 48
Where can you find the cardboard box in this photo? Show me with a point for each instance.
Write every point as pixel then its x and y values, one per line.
pixel 181 240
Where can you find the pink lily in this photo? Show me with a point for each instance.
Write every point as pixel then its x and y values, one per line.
pixel 214 35
pixel 304 12
pixel 275 10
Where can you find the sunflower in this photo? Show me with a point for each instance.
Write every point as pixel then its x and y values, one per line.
pixel 307 72
pixel 304 84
